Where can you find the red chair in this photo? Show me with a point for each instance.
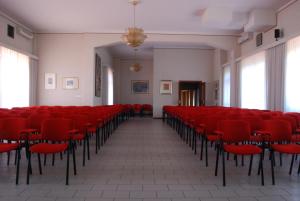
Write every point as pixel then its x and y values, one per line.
pixel 81 124
pixel 279 136
pixel 137 108
pixel 59 132
pixel 233 133
pixel 10 131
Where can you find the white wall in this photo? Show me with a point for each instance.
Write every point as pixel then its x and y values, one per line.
pixel 61 54
pixel 124 77
pixel 74 55
pixel 19 43
pixel 176 65
pixel 288 20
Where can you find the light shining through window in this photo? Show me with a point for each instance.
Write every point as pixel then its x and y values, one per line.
pixel 253 82
pixel 14 79
pixel 292 72
pixel 226 86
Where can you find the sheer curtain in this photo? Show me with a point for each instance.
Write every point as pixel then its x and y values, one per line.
pixel 253 82
pixel 226 86
pixel 14 79
pixel 110 86
pixel 292 76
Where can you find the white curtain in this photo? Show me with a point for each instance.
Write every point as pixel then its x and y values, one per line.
pixel 110 86
pixel 14 79
pixel 226 86
pixel 253 82
pixel 275 62
pixel 292 76
pixel 33 77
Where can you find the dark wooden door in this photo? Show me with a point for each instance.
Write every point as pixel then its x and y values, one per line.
pixel 191 93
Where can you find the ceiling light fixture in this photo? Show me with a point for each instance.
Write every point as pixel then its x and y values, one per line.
pixel 135 67
pixel 134 36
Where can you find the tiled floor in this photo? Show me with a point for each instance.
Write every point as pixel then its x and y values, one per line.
pixel 145 160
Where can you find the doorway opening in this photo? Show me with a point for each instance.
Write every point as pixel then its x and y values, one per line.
pixel 191 93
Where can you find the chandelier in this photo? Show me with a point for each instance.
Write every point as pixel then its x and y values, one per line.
pixel 135 67
pixel 134 36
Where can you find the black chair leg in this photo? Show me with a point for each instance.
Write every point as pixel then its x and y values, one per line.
pixel 18 165
pixel 84 147
pixel 88 147
pixel 262 169
pixel 299 167
pixel 223 159
pixel 68 161
pixel 206 154
pixel 202 144
pixel 16 156
pixel 217 160
pixel 40 165
pixel 74 160
pixel 8 157
pixel 28 167
pixel 250 165
pixel 292 164
pixel 53 159
pixel 272 166
pixel 45 159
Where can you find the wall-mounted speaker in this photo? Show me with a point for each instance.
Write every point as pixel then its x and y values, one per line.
pixel 278 33
pixel 10 31
pixel 259 39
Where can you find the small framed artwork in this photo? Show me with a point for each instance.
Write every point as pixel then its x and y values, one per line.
pixel 140 86
pixel 166 87
pixel 70 83
pixel 50 81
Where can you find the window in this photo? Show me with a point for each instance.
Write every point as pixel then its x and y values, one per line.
pixel 226 86
pixel 14 79
pixel 110 86
pixel 253 82
pixel 292 80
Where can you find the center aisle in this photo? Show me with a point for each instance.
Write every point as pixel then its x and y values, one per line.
pixel 146 160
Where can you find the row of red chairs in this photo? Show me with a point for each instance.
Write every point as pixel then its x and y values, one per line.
pixel 140 109
pixel 56 129
pixel 237 131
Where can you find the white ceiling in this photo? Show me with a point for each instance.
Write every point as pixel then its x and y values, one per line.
pixel 113 16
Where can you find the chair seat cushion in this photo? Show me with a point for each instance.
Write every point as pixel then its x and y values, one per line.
pixel 242 149
pixel 46 148
pixel 5 147
pixel 287 148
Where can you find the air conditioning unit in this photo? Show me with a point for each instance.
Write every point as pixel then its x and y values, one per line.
pixel 244 37
pixel 25 33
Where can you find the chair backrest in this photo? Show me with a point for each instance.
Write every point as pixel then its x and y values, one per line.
pixel 11 128
pixel 56 129
pixel 35 121
pixel 80 122
pixel 235 130
pixel 280 130
pixel 211 123
pixel 256 123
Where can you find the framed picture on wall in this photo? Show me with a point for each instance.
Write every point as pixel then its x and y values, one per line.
pixel 166 87
pixel 50 81
pixel 97 75
pixel 140 86
pixel 70 83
